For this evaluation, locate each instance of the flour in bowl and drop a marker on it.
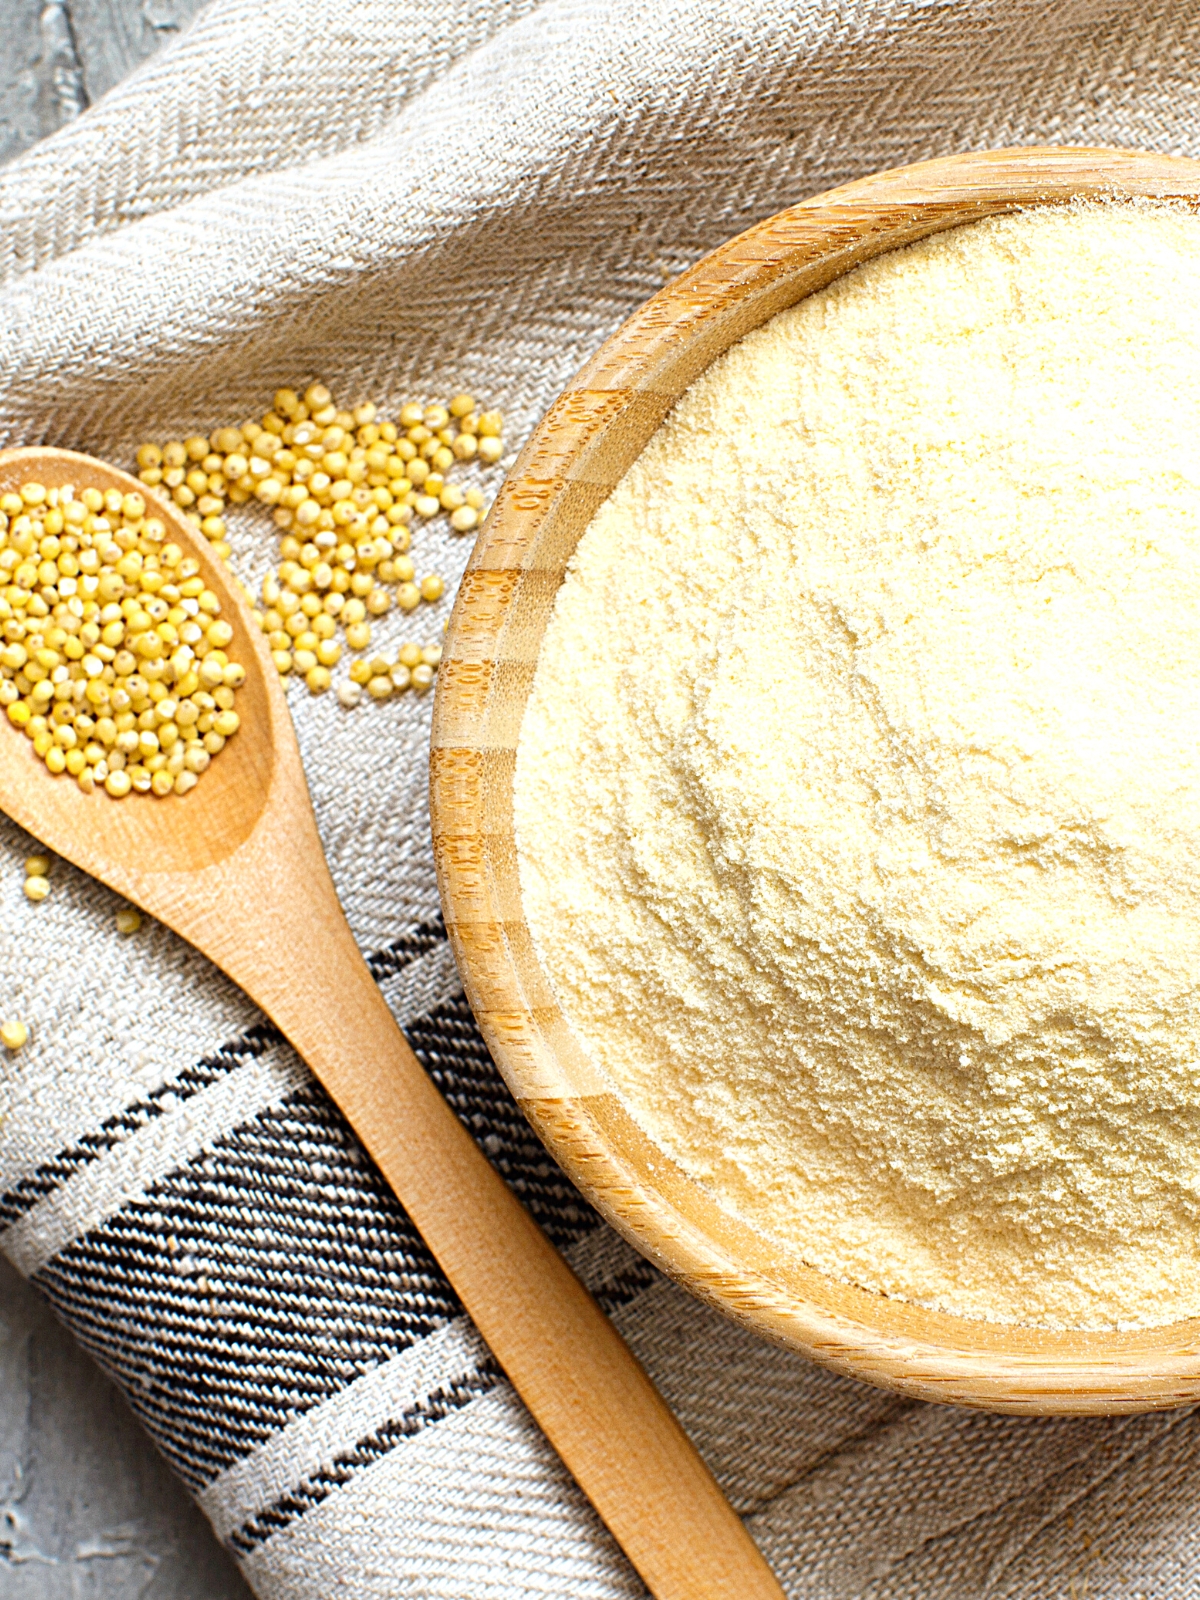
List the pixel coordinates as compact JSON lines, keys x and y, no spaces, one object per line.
{"x":858,"y":792}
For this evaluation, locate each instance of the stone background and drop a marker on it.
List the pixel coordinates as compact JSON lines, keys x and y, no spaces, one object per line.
{"x":59,"y":57}
{"x":88,"y":1510}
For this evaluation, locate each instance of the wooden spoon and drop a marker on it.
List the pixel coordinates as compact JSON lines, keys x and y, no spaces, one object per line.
{"x":236,"y":868}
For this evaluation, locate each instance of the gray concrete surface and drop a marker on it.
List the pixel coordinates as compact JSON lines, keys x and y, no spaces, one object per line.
{"x":61,"y":55}
{"x":88,"y":1509}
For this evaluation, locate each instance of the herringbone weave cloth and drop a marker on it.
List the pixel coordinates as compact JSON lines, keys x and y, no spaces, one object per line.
{"x":408,"y":199}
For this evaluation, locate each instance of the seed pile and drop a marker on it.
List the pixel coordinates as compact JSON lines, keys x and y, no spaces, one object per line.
{"x":344,"y":488}
{"x":114,"y":661}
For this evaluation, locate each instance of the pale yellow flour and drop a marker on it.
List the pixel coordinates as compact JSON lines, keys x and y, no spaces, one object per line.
{"x":858,"y":795}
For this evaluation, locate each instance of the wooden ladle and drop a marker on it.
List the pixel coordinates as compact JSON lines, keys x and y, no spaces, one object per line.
{"x":237,"y":869}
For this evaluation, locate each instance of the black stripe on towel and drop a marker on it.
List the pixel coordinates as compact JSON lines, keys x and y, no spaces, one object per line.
{"x":31,"y":1190}
{"x":250,"y":1285}
{"x":310,"y":1492}
{"x":409,"y":947}
{"x":275,"y":1267}
{"x":449,"y":1046}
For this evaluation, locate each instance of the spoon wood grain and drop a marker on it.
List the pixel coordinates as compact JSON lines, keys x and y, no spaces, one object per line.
{"x":237,"y":869}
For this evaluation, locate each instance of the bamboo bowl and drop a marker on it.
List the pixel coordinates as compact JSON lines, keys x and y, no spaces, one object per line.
{"x":574,"y":459}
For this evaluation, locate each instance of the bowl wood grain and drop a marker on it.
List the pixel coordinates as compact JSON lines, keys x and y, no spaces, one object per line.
{"x":578,"y":454}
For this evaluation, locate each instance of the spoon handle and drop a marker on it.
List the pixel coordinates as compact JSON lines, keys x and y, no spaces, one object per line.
{"x":563,"y":1356}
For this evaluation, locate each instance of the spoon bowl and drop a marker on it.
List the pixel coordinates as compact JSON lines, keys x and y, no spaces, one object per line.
{"x":142,"y":835}
{"x":236,"y":868}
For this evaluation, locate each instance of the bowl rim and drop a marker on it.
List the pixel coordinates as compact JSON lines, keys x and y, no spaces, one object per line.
{"x":575,"y":456}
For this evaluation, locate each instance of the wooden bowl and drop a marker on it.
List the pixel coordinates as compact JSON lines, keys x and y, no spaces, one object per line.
{"x":574,"y":459}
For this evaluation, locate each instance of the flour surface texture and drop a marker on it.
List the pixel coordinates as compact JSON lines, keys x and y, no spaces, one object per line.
{"x":858,"y":793}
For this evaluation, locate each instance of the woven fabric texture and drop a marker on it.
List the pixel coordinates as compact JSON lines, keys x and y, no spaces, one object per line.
{"x":412,"y":200}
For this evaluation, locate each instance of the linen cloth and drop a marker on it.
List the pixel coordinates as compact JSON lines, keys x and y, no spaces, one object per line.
{"x":406,"y":200}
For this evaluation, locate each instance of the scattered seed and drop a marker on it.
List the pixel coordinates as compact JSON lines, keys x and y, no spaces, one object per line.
{"x":344,"y":488}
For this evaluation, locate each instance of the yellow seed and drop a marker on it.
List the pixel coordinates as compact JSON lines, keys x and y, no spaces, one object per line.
{"x":462,"y":405}
{"x":464,"y":519}
{"x":128,"y":920}
{"x":358,"y":635}
{"x":490,"y":451}
{"x":37,"y":866}
{"x":432,"y":587}
{"x":422,"y":677}
{"x":410,"y":655}
{"x":408,"y":597}
{"x":37,"y":886}
{"x":379,"y":688}
{"x":149,"y":614}
{"x":13,"y":1034}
